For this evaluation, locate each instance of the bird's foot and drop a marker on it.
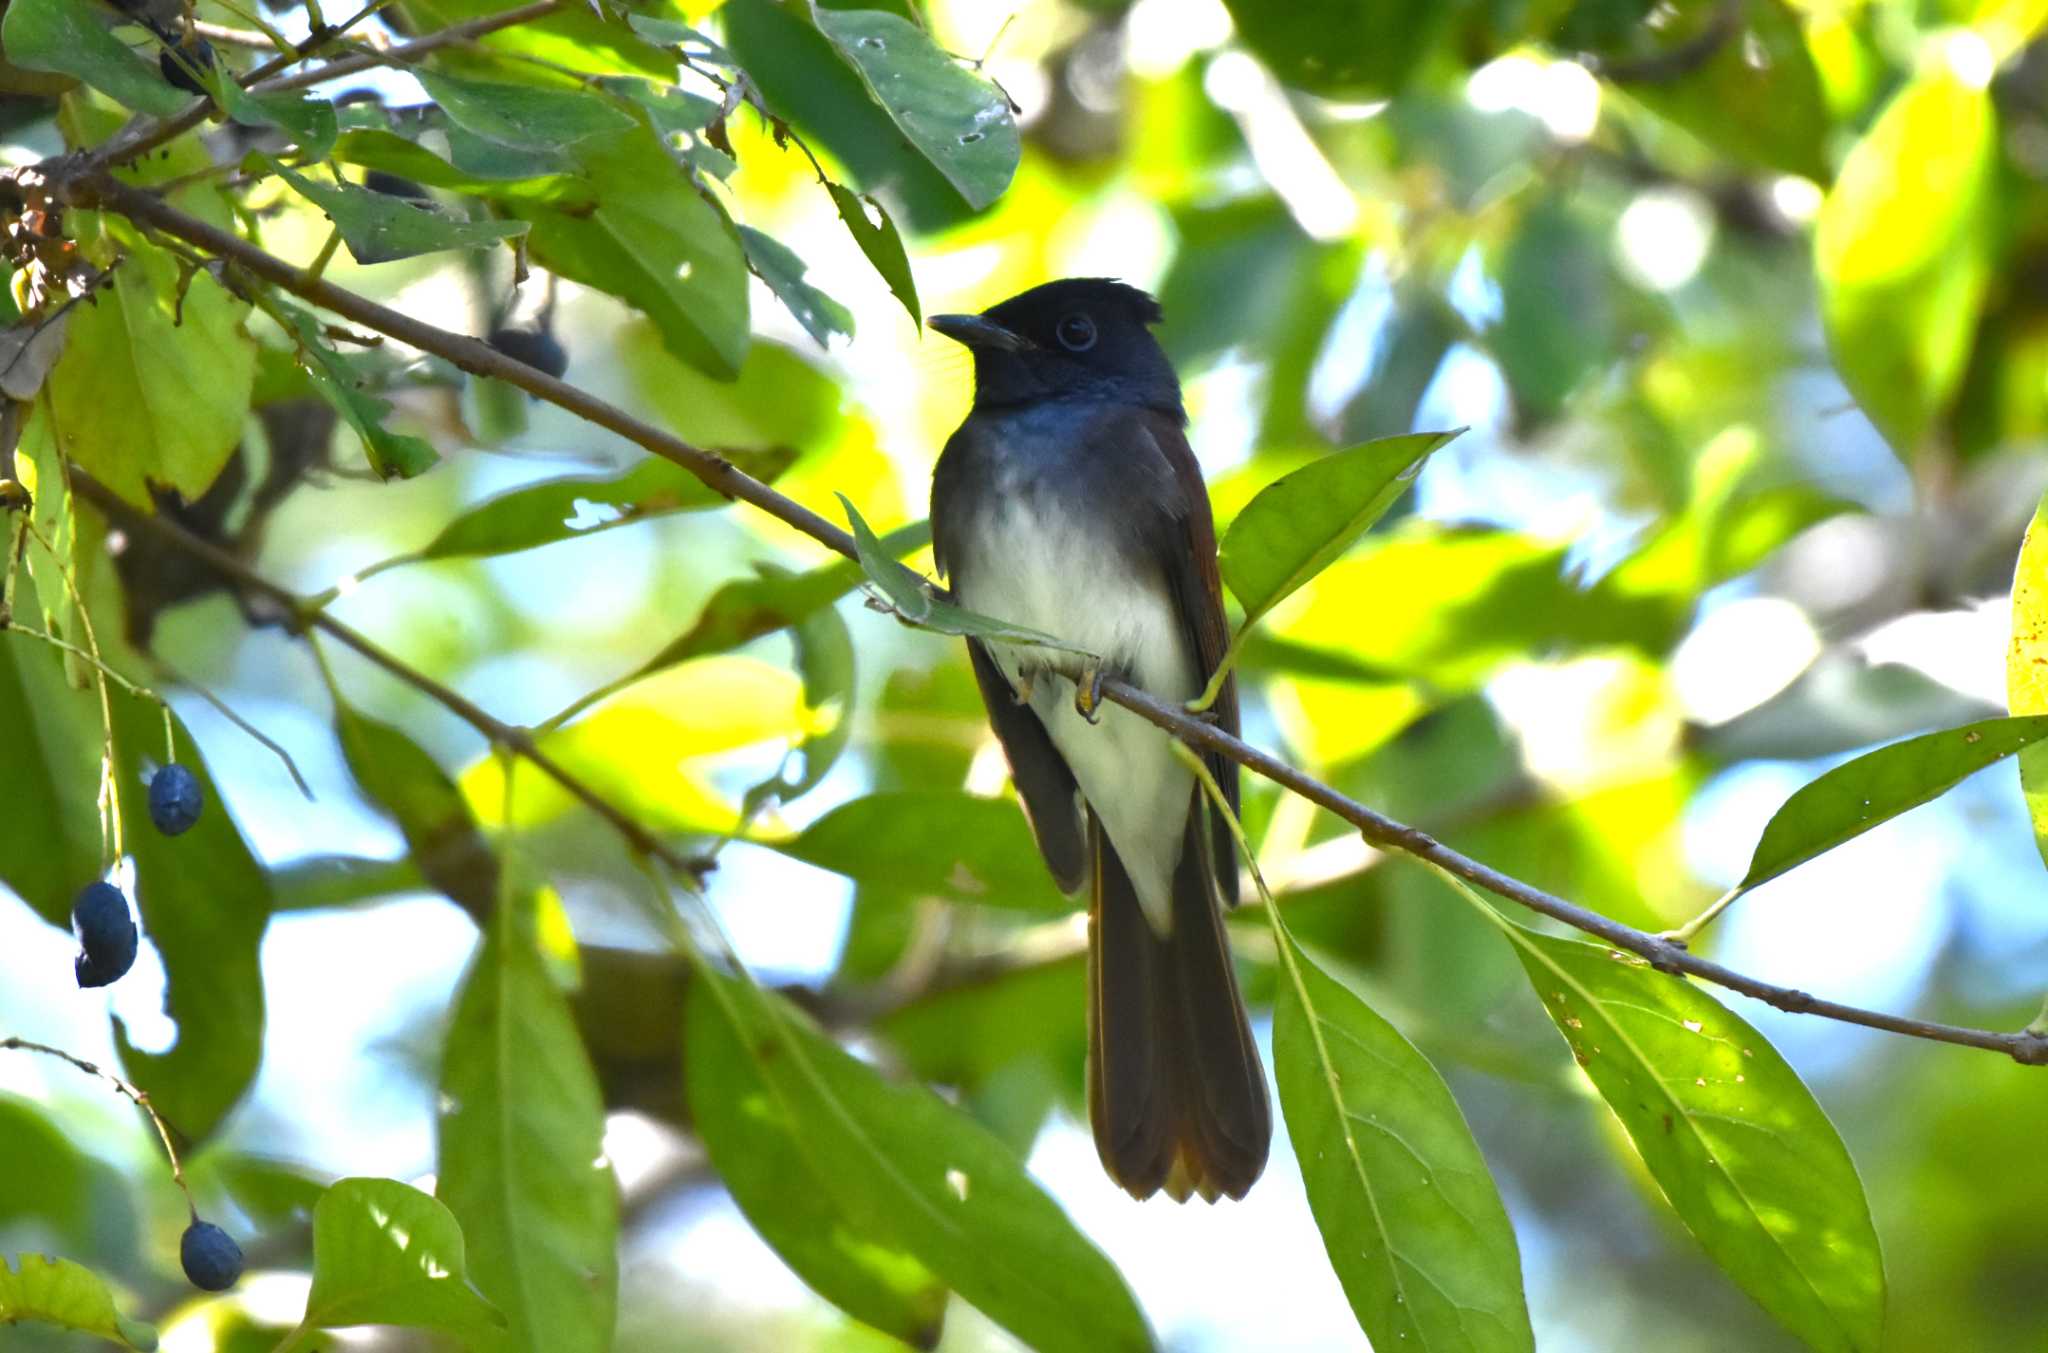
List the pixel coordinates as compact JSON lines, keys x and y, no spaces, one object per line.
{"x":1088,"y":693}
{"x":1022,"y":686}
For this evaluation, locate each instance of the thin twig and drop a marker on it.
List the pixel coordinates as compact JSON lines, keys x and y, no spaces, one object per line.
{"x":401,"y":53}
{"x":135,"y":1094}
{"x":496,"y":730}
{"x":103,"y":191}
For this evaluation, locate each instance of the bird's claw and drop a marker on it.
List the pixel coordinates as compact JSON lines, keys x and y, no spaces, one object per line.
{"x":1021,"y":688}
{"x":1088,"y":693}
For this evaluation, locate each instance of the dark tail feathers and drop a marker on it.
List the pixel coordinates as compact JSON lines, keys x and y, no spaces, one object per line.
{"x":1175,"y":1087}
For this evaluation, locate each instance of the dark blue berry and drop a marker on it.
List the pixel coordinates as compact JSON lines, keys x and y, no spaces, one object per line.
{"x":535,"y":347}
{"x":197,"y":54}
{"x":106,"y":935}
{"x":212,"y":1259}
{"x":174,"y":799}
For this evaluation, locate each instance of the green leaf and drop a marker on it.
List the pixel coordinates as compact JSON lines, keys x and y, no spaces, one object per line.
{"x":50,"y":833}
{"x":744,"y":610}
{"x":70,"y":1296}
{"x":940,"y":842}
{"x":957,"y":120}
{"x":878,"y":239}
{"x":1877,"y":786}
{"x":580,"y":38}
{"x":336,"y":378}
{"x":541,"y":514}
{"x":386,"y":1254}
{"x":507,"y":176}
{"x":521,"y":1148}
{"x":1757,"y":97}
{"x":378,"y":228}
{"x":918,"y":601}
{"x":2026,"y":664}
{"x":310,"y":123}
{"x":917,"y":1175}
{"x":779,"y":399}
{"x":321,"y":881}
{"x":394,"y":772}
{"x":657,"y":244}
{"x":1408,"y":1212}
{"x":777,"y":264}
{"x":525,"y":117}
{"x":824,"y":658}
{"x":152,"y":391}
{"x":205,"y":903}
{"x":71,"y":38}
{"x":757,"y":1134}
{"x":1342,"y":48}
{"x":1301,"y":522}
{"x":1903,"y":248}
{"x":1746,"y":1157}
{"x":51,"y":1181}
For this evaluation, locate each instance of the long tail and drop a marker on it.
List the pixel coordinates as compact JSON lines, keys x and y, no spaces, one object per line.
{"x":1175,"y":1087}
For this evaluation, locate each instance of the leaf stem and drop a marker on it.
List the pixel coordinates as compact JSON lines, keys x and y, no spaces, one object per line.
{"x":132,"y":1093}
{"x":1685,"y":934}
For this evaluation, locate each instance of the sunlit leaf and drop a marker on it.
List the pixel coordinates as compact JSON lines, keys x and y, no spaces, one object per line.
{"x":2026,"y":664}
{"x":1903,"y":252}
{"x":1407,"y":1208}
{"x":72,"y":39}
{"x":904,"y":1167}
{"x":777,"y":264}
{"x":824,"y":658}
{"x":1877,"y":786}
{"x":919,"y":601}
{"x":578,"y":37}
{"x":652,"y":747}
{"x":942,"y":842}
{"x":756,"y":1134}
{"x":378,"y":228}
{"x":386,"y":1254}
{"x":521,"y":1148}
{"x":955,"y":118}
{"x":36,"y":1287}
{"x":1301,"y":522}
{"x":154,"y":383}
{"x":335,"y":377}
{"x":1745,"y":1155}
{"x":778,"y":400}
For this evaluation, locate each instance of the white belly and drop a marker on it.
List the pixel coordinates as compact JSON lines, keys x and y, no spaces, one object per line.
{"x":1025,"y":571}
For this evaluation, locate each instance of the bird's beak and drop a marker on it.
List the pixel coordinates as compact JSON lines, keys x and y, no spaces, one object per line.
{"x":978,"y":331}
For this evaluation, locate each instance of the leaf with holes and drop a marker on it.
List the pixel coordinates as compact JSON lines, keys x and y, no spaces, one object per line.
{"x":956,"y":119}
{"x":1747,"y":1158}
{"x":878,"y":239}
{"x":1407,"y":1209}
{"x":777,"y":264}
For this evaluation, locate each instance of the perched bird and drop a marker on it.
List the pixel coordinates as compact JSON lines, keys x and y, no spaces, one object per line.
{"x":1069,"y":502}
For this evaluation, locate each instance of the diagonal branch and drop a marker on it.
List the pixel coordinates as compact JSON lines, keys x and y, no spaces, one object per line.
{"x":518,"y":740}
{"x":100,"y":190}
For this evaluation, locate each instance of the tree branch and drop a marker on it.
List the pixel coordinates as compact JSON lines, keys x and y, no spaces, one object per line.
{"x":95,"y":189}
{"x":517,"y":739}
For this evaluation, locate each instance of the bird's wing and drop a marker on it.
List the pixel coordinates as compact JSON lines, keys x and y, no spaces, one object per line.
{"x":1044,"y":781}
{"x":1183,"y":541}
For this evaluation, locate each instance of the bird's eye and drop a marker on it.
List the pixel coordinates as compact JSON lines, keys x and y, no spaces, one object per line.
{"x":1076,"y":333}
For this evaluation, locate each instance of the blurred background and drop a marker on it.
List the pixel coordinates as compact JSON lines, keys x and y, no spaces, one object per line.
{"x":1720,"y":520}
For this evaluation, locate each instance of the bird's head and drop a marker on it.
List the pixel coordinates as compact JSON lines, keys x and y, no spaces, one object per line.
{"x":1077,"y":338}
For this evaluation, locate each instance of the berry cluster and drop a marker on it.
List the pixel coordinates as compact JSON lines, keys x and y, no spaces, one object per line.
{"x":99,"y":915}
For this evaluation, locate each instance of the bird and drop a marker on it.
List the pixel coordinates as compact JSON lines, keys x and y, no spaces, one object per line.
{"x":1069,"y":502}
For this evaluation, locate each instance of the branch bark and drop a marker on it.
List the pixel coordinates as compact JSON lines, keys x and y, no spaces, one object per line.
{"x":87,"y":186}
